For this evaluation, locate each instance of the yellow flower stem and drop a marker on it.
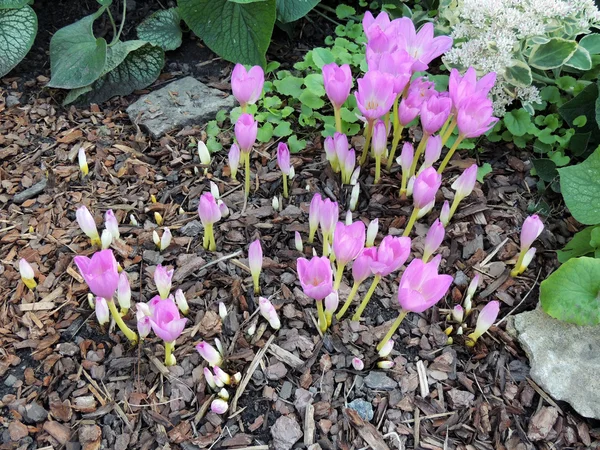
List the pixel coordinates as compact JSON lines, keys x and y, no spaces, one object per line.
{"x":133,"y":338}
{"x":365,"y":302}
{"x":446,"y":160}
{"x":212,"y":246}
{"x":445,"y":126}
{"x":411,"y":222}
{"x":338,"y":277}
{"x":244,"y":108}
{"x":206,"y":240}
{"x":338,"y":119}
{"x":403,"y":184}
{"x":247,"y":166}
{"x":346,"y":305}
{"x":285,"y":186}
{"x":368,"y":135}
{"x":392,"y":329}
{"x":397,"y":134}
{"x":448,"y":131}
{"x":377,"y":168}
{"x":418,"y":153}
{"x":321,"y":314}
{"x":256,"y":283}
{"x":454,"y":205}
{"x":325,"y":245}
{"x":169,"y":359}
{"x":311,"y":234}
{"x":517,"y":270}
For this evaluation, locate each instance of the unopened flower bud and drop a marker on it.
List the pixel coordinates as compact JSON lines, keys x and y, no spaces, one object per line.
{"x":91,"y":300}
{"x":358,"y":363}
{"x":210,"y":379}
{"x":458,"y":314}
{"x":298,"y":242}
{"x":203,"y":153}
{"x":106,"y":239}
{"x":222,"y":310}
{"x":132,"y":220}
{"x":448,"y":331}
{"x":165,"y":240}
{"x":445,"y":213}
{"x":236,"y":378}
{"x":158,"y":218}
{"x":473,"y":285}
{"x":354,"y":176}
{"x":209,"y":353}
{"x":223,"y":394}
{"x":223,"y":208}
{"x":124,"y":292}
{"x":111,"y":224}
{"x":83,"y":165}
{"x":219,"y":346}
{"x":222,"y":375}
{"x":268,"y":311}
{"x":354,"y":196}
{"x":102,"y":312}
{"x":275,"y":203}
{"x":27,"y":274}
{"x":372,"y":230}
{"x":182,"y":303}
{"x":219,"y":406}
{"x":385,"y":364}
{"x":292,"y":173}
{"x":156,"y":238}
{"x":386,"y":349}
{"x":152,"y":198}
{"x":486,"y":319}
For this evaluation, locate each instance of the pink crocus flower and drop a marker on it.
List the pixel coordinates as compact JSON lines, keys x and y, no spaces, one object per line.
{"x":532,"y":228}
{"x":100,"y":273}
{"x":247,"y":86}
{"x":111,"y":224}
{"x":475,"y":117}
{"x":348,"y":241}
{"x":445,"y":213}
{"x":268,"y":311}
{"x":434,"y":113}
{"x":464,"y":87}
{"x":426,"y":186}
{"x":208,"y":210}
{"x":379,"y":143}
{"x":348,"y":166}
{"x":421,"y":286}
{"x":397,"y":63}
{"x":315,"y":276}
{"x":162,"y":279}
{"x":371,"y":23}
{"x":87,"y":224}
{"x":245,"y":130}
{"x":166,"y":322}
{"x":465,"y":183}
{"x":328,"y":216}
{"x":361,"y":267}
{"x":330,"y":152}
{"x":255,"y":260}
{"x":338,"y":82}
{"x":375,"y":95}
{"x":380,"y":32}
{"x":422,"y":46}
{"x":392,"y":253}
{"x":102,"y":312}
{"x":124,"y":291}
{"x":210,"y":354}
{"x":283,"y":158}
{"x":433,"y":150}
{"x":219,"y":406}
{"x":486,"y":319}
{"x":234,"y":159}
{"x":433,"y":240}
{"x":314,"y":215}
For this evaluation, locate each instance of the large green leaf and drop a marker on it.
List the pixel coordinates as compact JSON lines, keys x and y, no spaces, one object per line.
{"x":584,"y":104}
{"x":571,"y":294}
{"x":12,"y":4}
{"x":552,"y":54}
{"x":18,"y":28}
{"x":77,"y":58}
{"x":579,"y":245}
{"x":162,"y":28}
{"x":237,"y":32}
{"x":580,"y":60}
{"x":290,"y":10}
{"x":591,"y":43}
{"x":140,"y":68}
{"x":580,"y":186}
{"x":518,"y":73}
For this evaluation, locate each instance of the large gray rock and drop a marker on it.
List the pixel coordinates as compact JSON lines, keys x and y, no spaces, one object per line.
{"x":183,"y":102}
{"x":565,"y":359}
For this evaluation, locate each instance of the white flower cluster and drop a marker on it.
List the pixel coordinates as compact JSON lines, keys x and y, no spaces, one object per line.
{"x":489,"y":34}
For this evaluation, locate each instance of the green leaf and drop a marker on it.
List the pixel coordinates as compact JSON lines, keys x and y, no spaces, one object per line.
{"x":296,"y":145}
{"x":212,"y":128}
{"x":290,"y":10}
{"x":591,"y":43}
{"x":580,"y":185}
{"x":551,"y":94}
{"x":571,"y":293}
{"x":265,"y":133}
{"x":517,"y":121}
{"x":582,"y":105}
{"x":77,"y":58}
{"x":162,"y":28}
{"x":314,"y":83}
{"x":18,"y":28}
{"x":237,"y":32}
{"x":140,"y":68}
{"x":483,"y":170}
{"x":12,"y":4}
{"x":580,"y":121}
{"x":580,"y":60}
{"x":283,"y":129}
{"x":311,"y":100}
{"x":213,"y":145}
{"x":322,"y":56}
{"x":344,"y":11}
{"x":290,"y":86}
{"x":545,"y":169}
{"x":579,"y":245}
{"x":552,"y":54}
{"x":518,"y":73}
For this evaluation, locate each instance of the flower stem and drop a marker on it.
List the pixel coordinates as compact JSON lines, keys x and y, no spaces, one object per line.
{"x":353,"y":292}
{"x":256,"y":282}
{"x":411,"y":222}
{"x":517,"y":270}
{"x":285,"y":186}
{"x":325,"y":244}
{"x":169,"y":358}
{"x":119,"y":321}
{"x":338,"y":119}
{"x":449,"y":154}
{"x":247,"y":166}
{"x":206,"y":240}
{"x":365,"y":302}
{"x":368,"y":135}
{"x":453,"y":207}
{"x":321,"y":314}
{"x":447,"y":130}
{"x":420,"y":149}
{"x":377,"y":168}
{"x":212,"y":246}
{"x":393,"y":329}
{"x":397,"y":133}
{"x":445,"y":126}
{"x":338,"y":276}
{"x":403,"y":183}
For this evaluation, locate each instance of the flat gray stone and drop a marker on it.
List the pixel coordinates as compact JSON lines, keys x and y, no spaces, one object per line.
{"x":286,"y":432}
{"x":363,"y":408}
{"x":183,"y":102}
{"x":34,"y":412}
{"x":380,"y":381}
{"x":565,"y":359}
{"x":31,"y":192}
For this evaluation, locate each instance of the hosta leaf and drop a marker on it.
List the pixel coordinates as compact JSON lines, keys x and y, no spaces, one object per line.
{"x":237,"y":32}
{"x":77,"y":58}
{"x":162,"y":28}
{"x":18,"y":28}
{"x":139,"y":69}
{"x":290,"y":10}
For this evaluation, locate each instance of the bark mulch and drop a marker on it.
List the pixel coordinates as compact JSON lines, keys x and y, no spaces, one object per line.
{"x":67,"y":383}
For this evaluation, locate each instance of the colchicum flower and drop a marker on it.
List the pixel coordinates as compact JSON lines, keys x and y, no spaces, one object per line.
{"x":255,"y":260}
{"x":209,"y":213}
{"x":88,"y":225}
{"x":338,"y":82}
{"x":463,"y":186}
{"x":372,"y":230}
{"x":234,"y":160}
{"x":332,"y":302}
{"x":111,"y":224}
{"x":406,"y":161}
{"x":314,"y":216}
{"x":358,"y":363}
{"x":532,"y":228}
{"x":209,"y":353}
{"x":283,"y":160}
{"x":348,"y":242}
{"x":102,"y":312}
{"x":298,"y":242}
{"x":425,"y":187}
{"x":445,"y":213}
{"x":433,"y":240}
{"x":328,"y":216}
{"x":246,"y":85}
{"x":203,"y":154}
{"x":162,"y":279}
{"x":316,"y":278}
{"x":181,"y":301}
{"x":219,"y":406}
{"x":386,"y":349}
{"x":168,"y":325}
{"x":27,"y":274}
{"x":268,"y":311}
{"x":246,"y":129}
{"x":83,"y":165}
{"x":379,"y":146}
{"x":124,"y":293}
{"x":106,"y":239}
{"x":486,"y":319}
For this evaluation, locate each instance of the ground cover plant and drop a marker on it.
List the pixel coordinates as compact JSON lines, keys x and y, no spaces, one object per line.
{"x":327,"y":265}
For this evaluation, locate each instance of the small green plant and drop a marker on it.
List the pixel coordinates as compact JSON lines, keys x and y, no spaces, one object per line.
{"x":18,"y":27}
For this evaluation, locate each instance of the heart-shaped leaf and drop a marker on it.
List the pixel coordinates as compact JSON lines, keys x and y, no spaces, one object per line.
{"x":162,"y":28}
{"x":290,"y":10}
{"x":18,"y":28}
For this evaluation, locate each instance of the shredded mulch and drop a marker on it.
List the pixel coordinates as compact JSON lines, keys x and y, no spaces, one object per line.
{"x":67,"y":383}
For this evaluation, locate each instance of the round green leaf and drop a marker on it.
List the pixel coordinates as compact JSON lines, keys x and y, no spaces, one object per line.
{"x":290,"y":10}
{"x":140,"y":68}
{"x":77,"y":58}
{"x":344,"y":11}
{"x":591,"y":43}
{"x":580,"y":186}
{"x":18,"y":28}
{"x":237,"y":32}
{"x":314,"y":83}
{"x":571,"y":294}
{"x":552,"y":54}
{"x":517,"y":121}
{"x":162,"y":29}
{"x":518,"y":73}
{"x":580,"y":60}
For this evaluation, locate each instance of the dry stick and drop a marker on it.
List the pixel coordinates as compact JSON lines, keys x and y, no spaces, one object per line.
{"x":251,"y":369}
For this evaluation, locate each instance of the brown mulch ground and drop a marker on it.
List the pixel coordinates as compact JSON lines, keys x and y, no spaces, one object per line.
{"x":67,"y":383}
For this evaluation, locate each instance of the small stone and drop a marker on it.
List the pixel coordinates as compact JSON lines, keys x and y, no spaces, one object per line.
{"x":186,"y":101}
{"x":192,"y":229}
{"x":60,"y":410}
{"x":380,"y":381}
{"x":325,"y":425}
{"x":10,"y":380}
{"x":286,"y":432}
{"x":363,"y":408}
{"x":89,"y":433}
{"x":58,"y":431}
{"x":34,"y":413}
{"x":11,"y":101}
{"x":472,"y":246}
{"x":460,"y":399}
{"x":17,"y":430}
{"x":152,"y":257}
{"x":303,"y":398}
{"x":68,"y":349}
{"x":286,"y":390}
{"x":460,"y":279}
{"x":276,"y":371}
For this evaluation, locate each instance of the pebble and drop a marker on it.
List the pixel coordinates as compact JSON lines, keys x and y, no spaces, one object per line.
{"x":11,"y":100}
{"x":152,"y":257}
{"x":363,"y":408}
{"x":286,"y":432}
{"x":192,"y":229}
{"x":10,"y":381}
{"x":68,"y":349}
{"x":276,"y":371}
{"x":460,"y":279}
{"x":286,"y":390}
{"x":303,"y":398}
{"x":34,"y":412}
{"x":380,"y":381}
